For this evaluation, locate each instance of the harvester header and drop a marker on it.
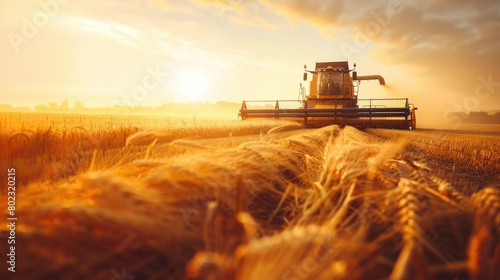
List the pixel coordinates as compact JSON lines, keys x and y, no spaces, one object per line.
{"x":333,"y":99}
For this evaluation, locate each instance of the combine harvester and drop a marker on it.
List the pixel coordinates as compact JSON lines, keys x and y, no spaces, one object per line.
{"x":333,"y":99}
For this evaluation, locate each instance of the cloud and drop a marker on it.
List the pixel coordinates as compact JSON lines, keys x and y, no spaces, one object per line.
{"x":316,"y":12}
{"x":451,"y":45}
{"x":448,"y":49}
{"x":404,"y":25}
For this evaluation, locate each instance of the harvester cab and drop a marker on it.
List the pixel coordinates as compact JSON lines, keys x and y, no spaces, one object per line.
{"x":333,"y":99}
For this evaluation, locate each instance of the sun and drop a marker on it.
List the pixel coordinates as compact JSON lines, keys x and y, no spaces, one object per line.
{"x":192,"y":86}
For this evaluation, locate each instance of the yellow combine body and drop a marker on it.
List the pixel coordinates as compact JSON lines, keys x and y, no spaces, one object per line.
{"x":333,"y":99}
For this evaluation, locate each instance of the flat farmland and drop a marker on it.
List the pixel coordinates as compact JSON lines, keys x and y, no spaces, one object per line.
{"x":184,"y":198}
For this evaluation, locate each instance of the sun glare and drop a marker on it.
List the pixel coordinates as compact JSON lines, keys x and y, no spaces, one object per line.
{"x":192,"y":86}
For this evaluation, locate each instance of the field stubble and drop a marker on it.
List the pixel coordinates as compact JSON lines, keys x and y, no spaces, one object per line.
{"x":258,"y":200}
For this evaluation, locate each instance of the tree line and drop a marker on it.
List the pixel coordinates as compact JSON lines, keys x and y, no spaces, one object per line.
{"x":78,"y":107}
{"x":483,"y":117}
{"x":200,"y":108}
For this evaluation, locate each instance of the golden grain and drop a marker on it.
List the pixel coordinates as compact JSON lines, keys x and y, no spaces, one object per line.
{"x":180,"y":202}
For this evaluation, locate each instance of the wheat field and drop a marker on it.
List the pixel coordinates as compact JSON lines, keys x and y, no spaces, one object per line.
{"x":164,"y":198}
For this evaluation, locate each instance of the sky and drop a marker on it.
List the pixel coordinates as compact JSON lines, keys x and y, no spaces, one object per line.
{"x":443,"y":55}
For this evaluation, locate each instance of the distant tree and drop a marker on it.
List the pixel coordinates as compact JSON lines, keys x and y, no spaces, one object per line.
{"x":478,"y":117}
{"x":23,"y":109}
{"x":52,"y":106}
{"x":496,"y":117}
{"x":64,"y":106}
{"x":41,"y":108}
{"x":6,"y":108}
{"x":78,"y":106}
